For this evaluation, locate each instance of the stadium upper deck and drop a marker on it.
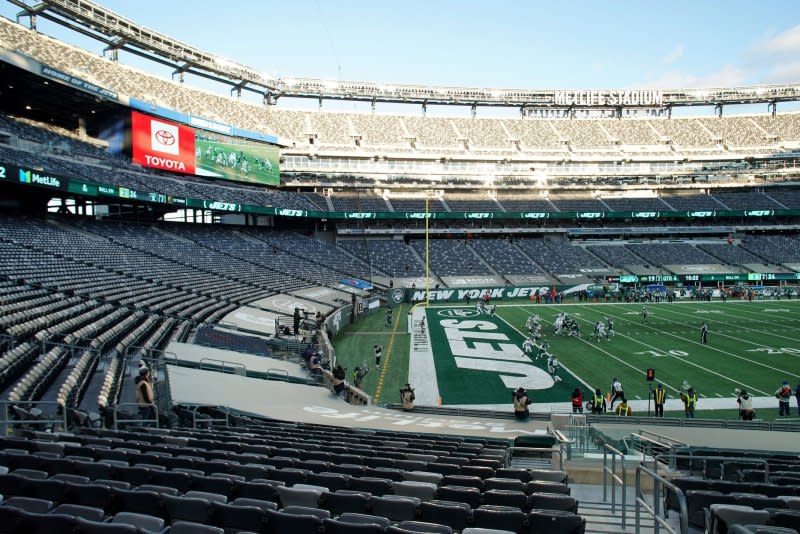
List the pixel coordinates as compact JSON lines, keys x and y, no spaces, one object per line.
{"x":120,"y":33}
{"x":363,"y":144}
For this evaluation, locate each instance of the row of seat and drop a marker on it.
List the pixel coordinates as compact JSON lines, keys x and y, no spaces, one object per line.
{"x":275,"y":459}
{"x":374,"y":454}
{"x":721,"y":518}
{"x":113,"y":497}
{"x":533,"y":494}
{"x":98,"y":502}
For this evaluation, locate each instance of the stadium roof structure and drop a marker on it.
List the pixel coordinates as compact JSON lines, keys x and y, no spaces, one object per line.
{"x":120,"y":33}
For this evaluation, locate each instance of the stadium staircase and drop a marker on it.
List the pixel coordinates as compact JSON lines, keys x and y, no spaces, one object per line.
{"x":602,"y":518}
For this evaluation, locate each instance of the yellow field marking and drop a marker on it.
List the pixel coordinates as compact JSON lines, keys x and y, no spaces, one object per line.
{"x":386,"y":357}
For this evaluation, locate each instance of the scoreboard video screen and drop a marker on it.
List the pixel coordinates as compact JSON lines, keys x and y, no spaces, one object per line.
{"x":162,"y":144}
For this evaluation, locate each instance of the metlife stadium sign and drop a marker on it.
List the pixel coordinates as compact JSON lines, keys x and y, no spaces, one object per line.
{"x":611,"y":98}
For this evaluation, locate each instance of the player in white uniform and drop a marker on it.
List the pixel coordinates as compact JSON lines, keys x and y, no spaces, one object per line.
{"x":559,"y":323}
{"x":552,"y":367}
{"x":527,"y":346}
{"x":600,"y":330}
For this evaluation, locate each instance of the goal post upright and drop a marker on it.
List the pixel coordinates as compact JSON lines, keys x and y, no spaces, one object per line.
{"x":427,"y":250}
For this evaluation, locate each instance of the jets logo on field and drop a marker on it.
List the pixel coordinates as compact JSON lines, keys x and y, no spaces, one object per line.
{"x":398,"y":295}
{"x":457,"y":312}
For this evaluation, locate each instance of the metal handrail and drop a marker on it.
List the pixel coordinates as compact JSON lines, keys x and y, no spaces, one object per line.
{"x":193,"y":410}
{"x":650,"y":448}
{"x":279,"y":372}
{"x":117,"y":420}
{"x":564,"y":443}
{"x":7,"y":422}
{"x":659,"y":437}
{"x":674,"y":456}
{"x":615,"y":478}
{"x":546,"y":450}
{"x":233,"y":365}
{"x":656,"y":509}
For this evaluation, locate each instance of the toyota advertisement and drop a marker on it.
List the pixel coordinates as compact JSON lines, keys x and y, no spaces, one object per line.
{"x":170,"y":146}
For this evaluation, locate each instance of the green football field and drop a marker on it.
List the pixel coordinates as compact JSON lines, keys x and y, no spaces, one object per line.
{"x":260,"y":174}
{"x":751,"y":345}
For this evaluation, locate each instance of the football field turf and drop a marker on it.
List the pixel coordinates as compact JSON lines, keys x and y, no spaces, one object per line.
{"x":477,"y":361}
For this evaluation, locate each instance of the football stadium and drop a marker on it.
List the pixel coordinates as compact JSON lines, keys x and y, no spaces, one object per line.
{"x":221,"y":314}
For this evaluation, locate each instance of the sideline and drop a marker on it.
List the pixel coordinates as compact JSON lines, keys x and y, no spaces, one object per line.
{"x":387,"y":356}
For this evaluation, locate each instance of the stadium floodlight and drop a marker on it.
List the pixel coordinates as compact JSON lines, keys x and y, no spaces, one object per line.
{"x":331,"y":84}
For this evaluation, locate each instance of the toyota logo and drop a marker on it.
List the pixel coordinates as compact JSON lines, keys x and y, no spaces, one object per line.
{"x":165,"y":138}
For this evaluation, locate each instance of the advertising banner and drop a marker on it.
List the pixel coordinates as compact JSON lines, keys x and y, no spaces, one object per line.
{"x":161,"y":144}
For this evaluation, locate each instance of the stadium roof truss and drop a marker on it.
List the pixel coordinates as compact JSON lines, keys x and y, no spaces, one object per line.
{"x":120,"y":33}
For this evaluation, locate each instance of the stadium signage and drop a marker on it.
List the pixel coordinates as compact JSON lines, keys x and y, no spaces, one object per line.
{"x":161,"y":144}
{"x":534,"y":215}
{"x":131,"y":194}
{"x":78,"y":83}
{"x":645,"y":214}
{"x":591,"y":215}
{"x":209,"y":125}
{"x":759,"y":213}
{"x":478,"y":215}
{"x":291,"y":213}
{"x":82,"y":188}
{"x":475,"y":293}
{"x":221,"y":206}
{"x":27,"y":176}
{"x":646,"y":98}
{"x":359,"y":215}
{"x":418,"y":215}
{"x":700,"y":213}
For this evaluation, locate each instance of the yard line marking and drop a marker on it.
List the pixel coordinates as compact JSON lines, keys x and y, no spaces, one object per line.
{"x":687,"y":340}
{"x":739,"y":327}
{"x":751,"y":388}
{"x":642,"y":371}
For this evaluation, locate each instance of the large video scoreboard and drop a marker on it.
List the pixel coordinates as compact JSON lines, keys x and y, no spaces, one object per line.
{"x":171,"y":146}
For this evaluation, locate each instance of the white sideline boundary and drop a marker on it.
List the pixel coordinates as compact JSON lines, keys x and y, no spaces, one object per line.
{"x":421,"y":367}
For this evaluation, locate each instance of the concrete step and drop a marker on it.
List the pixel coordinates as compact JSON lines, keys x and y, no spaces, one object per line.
{"x":601,"y":519}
